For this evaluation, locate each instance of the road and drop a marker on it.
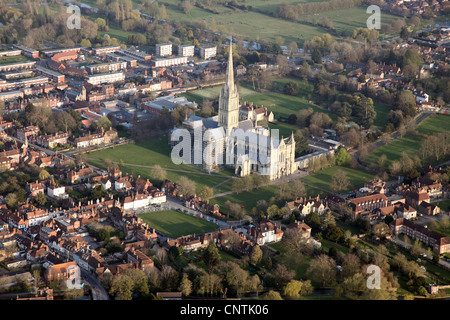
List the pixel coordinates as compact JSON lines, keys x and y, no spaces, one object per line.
{"x":98,"y":292}
{"x":401,"y":243}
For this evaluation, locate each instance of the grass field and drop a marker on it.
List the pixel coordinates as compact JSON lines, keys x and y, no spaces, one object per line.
{"x":157,"y":151}
{"x":174,"y":224}
{"x":410,"y":143}
{"x":322,"y":178}
{"x":280,"y":104}
{"x":444,"y":205}
{"x":315,"y":184}
{"x":253,"y":25}
{"x":13,"y":59}
{"x":382,"y":111}
{"x":346,"y":21}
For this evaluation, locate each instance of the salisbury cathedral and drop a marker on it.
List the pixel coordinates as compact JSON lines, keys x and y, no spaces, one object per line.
{"x":226,"y":140}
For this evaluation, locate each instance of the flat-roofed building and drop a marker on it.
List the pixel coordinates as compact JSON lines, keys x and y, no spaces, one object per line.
{"x":163,"y":49}
{"x":106,"y":78}
{"x":106,"y":67}
{"x":55,"y":76}
{"x":131,"y":62}
{"x":208,"y":52}
{"x":27,"y":52}
{"x":17,"y":66}
{"x":23,"y":83}
{"x":10,"y":95}
{"x":139,"y":55}
{"x":10,"y":53}
{"x":168,"y":62}
{"x":105,"y":50}
{"x":186,"y":50}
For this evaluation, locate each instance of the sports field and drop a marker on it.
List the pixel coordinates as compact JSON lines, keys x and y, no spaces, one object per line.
{"x":174,"y":224}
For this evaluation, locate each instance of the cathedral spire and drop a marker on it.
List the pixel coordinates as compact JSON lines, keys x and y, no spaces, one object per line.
{"x":229,"y":97}
{"x":230,"y":72}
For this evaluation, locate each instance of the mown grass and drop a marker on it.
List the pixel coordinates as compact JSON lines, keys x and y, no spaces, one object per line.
{"x":174,"y":224}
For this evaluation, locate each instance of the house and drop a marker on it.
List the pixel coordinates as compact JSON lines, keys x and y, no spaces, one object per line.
{"x":68,"y":272}
{"x":307,"y":206}
{"x":142,"y":261}
{"x":265,"y":232}
{"x":56,"y":191}
{"x":302,"y":227}
{"x":250,"y":112}
{"x":33,"y":188}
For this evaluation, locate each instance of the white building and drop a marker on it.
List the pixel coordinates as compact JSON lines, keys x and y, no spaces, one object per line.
{"x":163,"y":49}
{"x":56,"y":191}
{"x":186,"y":50}
{"x":168,"y":62}
{"x":106,"y":78}
{"x":208,"y":52}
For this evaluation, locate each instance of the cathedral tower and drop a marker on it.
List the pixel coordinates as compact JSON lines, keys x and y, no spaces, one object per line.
{"x":229,"y":98}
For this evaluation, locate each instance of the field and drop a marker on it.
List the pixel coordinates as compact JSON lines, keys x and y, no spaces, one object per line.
{"x":139,"y":158}
{"x":280,"y":104}
{"x":13,"y":59}
{"x":315,"y":184}
{"x":174,"y":224}
{"x":410,"y":143}
{"x":322,"y":178}
{"x":259,"y":22}
{"x":382,"y":111}
{"x":444,"y":205}
{"x":347,"y":20}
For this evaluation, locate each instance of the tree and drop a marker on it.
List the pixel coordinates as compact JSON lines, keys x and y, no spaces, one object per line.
{"x":122,"y":287}
{"x":291,"y":88}
{"x":350,"y":266}
{"x":186,"y":187}
{"x":40,"y":198}
{"x":271,"y":295}
{"x":301,"y":144}
{"x":158,"y":173}
{"x":342,"y":157}
{"x":313,"y":221}
{"x":185,"y":285}
{"x":339,"y":181}
{"x":381,"y":230}
{"x":282,"y":275}
{"x":206,"y":193}
{"x":322,"y":270}
{"x":43,"y":174}
{"x":256,"y":255}
{"x":211,"y":256}
{"x":206,"y":109}
{"x":316,"y":56}
{"x":292,"y":289}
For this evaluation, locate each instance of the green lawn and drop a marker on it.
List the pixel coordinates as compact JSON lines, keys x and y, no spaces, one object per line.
{"x":313,"y":185}
{"x":153,"y":152}
{"x":410,"y":143}
{"x":347,"y":20}
{"x":13,"y":59}
{"x":382,"y":111}
{"x":280,"y":104}
{"x":174,"y":224}
{"x":444,"y":205}
{"x":322,"y":178}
